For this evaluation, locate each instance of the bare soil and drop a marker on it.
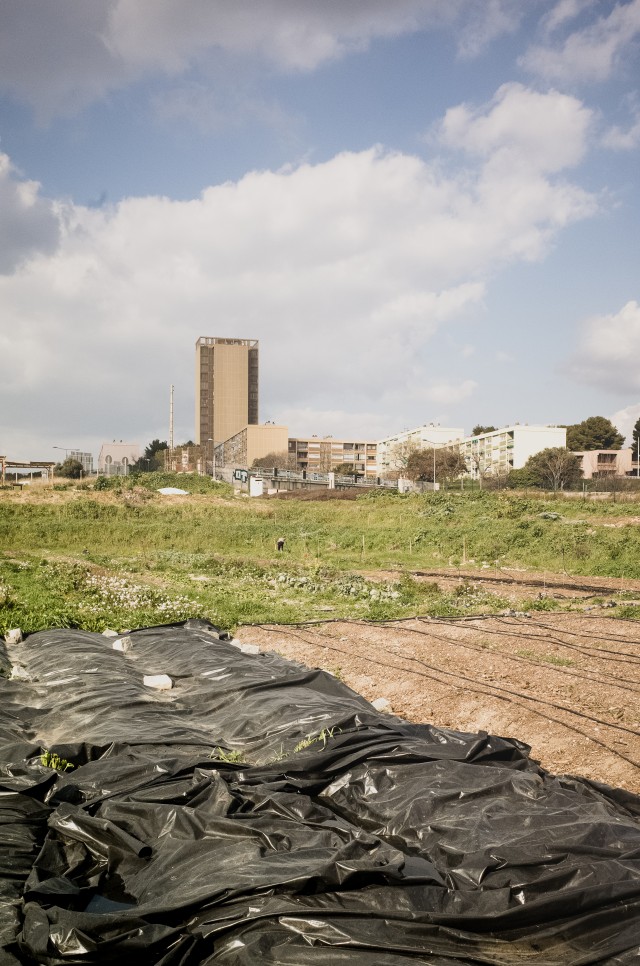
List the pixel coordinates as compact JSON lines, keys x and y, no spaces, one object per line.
{"x":567,"y":684}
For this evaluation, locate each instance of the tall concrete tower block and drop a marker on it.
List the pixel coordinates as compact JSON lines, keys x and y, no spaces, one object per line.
{"x":226,"y":387}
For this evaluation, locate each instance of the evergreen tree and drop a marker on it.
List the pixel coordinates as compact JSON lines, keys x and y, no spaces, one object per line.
{"x":596,"y":432}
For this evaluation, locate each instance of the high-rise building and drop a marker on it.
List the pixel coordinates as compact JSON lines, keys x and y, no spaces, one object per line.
{"x":226,"y":387}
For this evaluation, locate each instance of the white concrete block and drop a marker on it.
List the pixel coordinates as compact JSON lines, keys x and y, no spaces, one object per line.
{"x":13,"y":636}
{"x":249,"y":648}
{"x":109,"y":633}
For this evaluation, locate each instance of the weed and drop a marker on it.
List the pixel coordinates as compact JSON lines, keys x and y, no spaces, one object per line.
{"x":49,"y":759}
{"x":233,"y":757}
{"x":547,"y":658}
{"x":322,"y":736}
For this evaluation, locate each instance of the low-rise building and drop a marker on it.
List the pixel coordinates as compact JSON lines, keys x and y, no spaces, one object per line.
{"x":601,"y":463}
{"x":318,"y":454}
{"x":116,"y":458}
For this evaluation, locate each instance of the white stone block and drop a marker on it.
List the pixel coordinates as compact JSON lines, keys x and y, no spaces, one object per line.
{"x":160,"y":682}
{"x":18,"y":673}
{"x":109,"y":633}
{"x":122,"y":644}
{"x":13,"y":636}
{"x":249,"y":648}
{"x":381,"y":704}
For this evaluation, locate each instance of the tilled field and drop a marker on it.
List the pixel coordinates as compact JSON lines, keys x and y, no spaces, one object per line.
{"x":566,"y":684}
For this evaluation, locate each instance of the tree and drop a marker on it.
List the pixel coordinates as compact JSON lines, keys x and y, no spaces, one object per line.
{"x":479,"y":430}
{"x":555,"y":468}
{"x":449,"y":464}
{"x":398,"y":458}
{"x":635,"y":436}
{"x":596,"y":432}
{"x":275,"y":461}
{"x":152,"y":458}
{"x":71,"y":469}
{"x":346,"y":469}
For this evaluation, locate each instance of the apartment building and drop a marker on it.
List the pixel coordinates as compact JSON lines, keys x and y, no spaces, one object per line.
{"x":320,"y":454}
{"x":86,"y":459}
{"x":226,"y":387}
{"x":507,"y":449}
{"x":392,"y":449}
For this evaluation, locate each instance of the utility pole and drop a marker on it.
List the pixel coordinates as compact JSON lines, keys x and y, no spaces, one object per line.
{"x":171,"y":419}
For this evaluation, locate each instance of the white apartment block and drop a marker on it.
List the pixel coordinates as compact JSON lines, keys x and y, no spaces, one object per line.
{"x":423,"y":437}
{"x":509,"y":448}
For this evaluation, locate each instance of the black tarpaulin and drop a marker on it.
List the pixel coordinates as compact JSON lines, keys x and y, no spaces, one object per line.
{"x":262,"y":812}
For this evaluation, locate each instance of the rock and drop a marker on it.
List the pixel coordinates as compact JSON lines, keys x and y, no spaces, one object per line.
{"x":109,"y":633}
{"x":13,"y":636}
{"x":249,"y":648}
{"x":122,"y":644}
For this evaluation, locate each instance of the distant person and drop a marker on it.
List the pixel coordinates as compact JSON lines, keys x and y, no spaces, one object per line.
{"x":280,"y":543}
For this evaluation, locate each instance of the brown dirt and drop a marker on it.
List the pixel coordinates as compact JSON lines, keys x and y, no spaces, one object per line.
{"x":566,"y":684}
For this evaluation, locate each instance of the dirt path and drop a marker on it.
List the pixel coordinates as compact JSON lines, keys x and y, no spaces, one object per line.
{"x":566,"y":684}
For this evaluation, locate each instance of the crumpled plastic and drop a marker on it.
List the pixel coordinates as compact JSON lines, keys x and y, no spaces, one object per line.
{"x":262,"y":812}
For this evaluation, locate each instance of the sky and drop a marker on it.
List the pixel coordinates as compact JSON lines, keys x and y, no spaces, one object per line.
{"x":425,"y":210}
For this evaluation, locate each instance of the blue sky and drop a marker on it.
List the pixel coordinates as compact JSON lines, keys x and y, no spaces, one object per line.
{"x":426,"y":211}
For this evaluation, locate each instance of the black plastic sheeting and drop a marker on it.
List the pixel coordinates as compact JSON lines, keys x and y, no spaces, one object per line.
{"x":381,"y":842}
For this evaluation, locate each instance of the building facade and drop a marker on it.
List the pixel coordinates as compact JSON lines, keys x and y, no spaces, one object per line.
{"x":320,"y":454}
{"x":86,"y":459}
{"x":226,"y":387}
{"x":251,"y":443}
{"x":116,"y":458}
{"x":602,"y":463}
{"x":503,"y":450}
{"x":393,"y":450}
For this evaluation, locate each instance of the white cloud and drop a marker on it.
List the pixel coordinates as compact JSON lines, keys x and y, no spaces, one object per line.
{"x":608,"y":351}
{"x":486,"y":21}
{"x":623,"y":139}
{"x":547,"y":132}
{"x":344,"y":270}
{"x":588,"y":54}
{"x":625,"y":419}
{"x":60,"y":56}
{"x":28,"y":223}
{"x":564,"y":11}
{"x":447,"y":393}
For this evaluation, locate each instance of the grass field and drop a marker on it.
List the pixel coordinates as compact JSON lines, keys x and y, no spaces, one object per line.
{"x":124,"y":557}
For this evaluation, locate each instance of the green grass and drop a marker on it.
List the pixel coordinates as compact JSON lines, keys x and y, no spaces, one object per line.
{"x":130,"y":557}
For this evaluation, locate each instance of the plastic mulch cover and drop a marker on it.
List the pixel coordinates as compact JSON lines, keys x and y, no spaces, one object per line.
{"x":262,"y":812}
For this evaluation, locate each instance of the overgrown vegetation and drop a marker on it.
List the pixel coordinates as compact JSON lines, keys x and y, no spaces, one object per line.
{"x":129,"y":557}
